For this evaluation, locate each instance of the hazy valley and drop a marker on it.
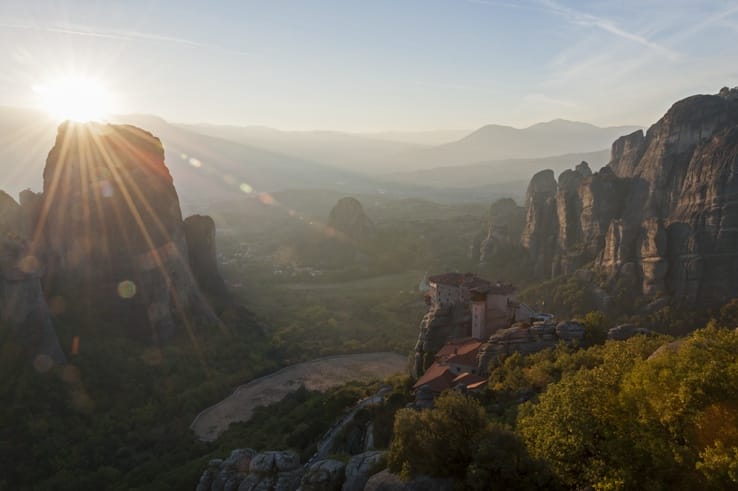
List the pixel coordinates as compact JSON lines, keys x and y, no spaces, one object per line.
{"x":482,"y":276}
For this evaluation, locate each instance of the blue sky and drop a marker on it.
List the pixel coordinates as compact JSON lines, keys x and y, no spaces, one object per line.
{"x":376,"y":64}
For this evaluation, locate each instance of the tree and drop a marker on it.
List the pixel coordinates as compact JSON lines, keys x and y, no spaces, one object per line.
{"x":577,"y":425}
{"x":437,"y":442}
{"x":501,"y":460}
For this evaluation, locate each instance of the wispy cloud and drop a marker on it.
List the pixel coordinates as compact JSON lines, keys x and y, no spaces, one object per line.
{"x":115,"y":34}
{"x":606,"y":25}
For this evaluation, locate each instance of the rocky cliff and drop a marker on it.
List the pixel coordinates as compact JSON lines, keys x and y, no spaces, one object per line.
{"x":23,"y":308}
{"x":200,"y":237}
{"x":505,"y":223}
{"x":109,"y":230}
{"x":661,"y":217}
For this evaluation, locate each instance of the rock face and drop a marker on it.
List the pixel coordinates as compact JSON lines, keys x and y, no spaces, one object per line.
{"x":506,"y":220}
{"x":200,"y":236}
{"x":23,"y":307}
{"x":349,"y":220}
{"x":112,"y":230}
{"x":541,"y":221}
{"x":247,"y":470}
{"x":660,"y":218}
{"x":361,"y":467}
{"x":324,"y":475}
{"x":438,"y":325}
{"x":526,"y":339}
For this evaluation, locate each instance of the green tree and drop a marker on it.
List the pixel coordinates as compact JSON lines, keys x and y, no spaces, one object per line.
{"x":437,"y":442}
{"x":501,"y":460}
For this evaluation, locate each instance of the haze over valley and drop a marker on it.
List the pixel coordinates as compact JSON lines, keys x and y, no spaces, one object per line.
{"x":363,"y":246}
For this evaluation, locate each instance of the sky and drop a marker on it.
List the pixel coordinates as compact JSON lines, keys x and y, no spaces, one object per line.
{"x":373,"y":65}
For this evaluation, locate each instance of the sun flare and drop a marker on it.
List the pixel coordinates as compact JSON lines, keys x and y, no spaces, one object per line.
{"x":75,"y":98}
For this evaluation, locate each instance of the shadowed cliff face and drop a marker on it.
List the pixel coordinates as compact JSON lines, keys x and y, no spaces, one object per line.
{"x":23,"y":308}
{"x":661,"y":216}
{"x":111,"y":231}
{"x":200,"y":235}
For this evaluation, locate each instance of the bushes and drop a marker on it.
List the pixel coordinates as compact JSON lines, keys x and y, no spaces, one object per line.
{"x":636,"y":421}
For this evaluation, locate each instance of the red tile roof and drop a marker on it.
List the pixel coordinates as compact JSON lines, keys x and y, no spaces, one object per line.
{"x":460,"y":351}
{"x":438,"y":378}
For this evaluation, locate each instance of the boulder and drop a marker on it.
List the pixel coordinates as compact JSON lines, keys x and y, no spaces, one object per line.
{"x":247,"y":470}
{"x":361,"y":467}
{"x":324,"y":475}
{"x":626,"y":331}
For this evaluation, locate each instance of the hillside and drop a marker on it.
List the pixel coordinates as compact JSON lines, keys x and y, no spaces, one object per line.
{"x":496,"y":142}
{"x":495,"y":172}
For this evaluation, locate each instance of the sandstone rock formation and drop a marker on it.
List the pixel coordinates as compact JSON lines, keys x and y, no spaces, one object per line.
{"x":111,"y":230}
{"x":527,"y":339}
{"x":247,"y":470}
{"x":438,"y":325}
{"x":506,"y":220}
{"x":541,"y":222}
{"x":200,"y":236}
{"x":23,"y":307}
{"x":348,"y":219}
{"x":661,"y":218}
{"x":324,"y":475}
{"x":361,"y":467}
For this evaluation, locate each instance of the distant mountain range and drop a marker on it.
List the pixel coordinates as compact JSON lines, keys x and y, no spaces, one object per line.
{"x":213,"y":163}
{"x":367,"y":154}
{"x":495,"y":142}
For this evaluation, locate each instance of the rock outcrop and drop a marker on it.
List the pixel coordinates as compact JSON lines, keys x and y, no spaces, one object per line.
{"x":200,"y":236}
{"x":661,"y":218}
{"x":439,"y":325}
{"x":541,"y":221}
{"x":506,"y":220}
{"x":350,"y":222}
{"x":626,"y":331}
{"x":111,"y":230}
{"x":362,"y":467}
{"x":247,"y":470}
{"x":23,"y":307}
{"x":324,"y":475}
{"x":525,"y":339}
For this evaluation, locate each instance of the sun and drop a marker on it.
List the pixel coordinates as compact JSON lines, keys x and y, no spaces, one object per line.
{"x":75,"y":98}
